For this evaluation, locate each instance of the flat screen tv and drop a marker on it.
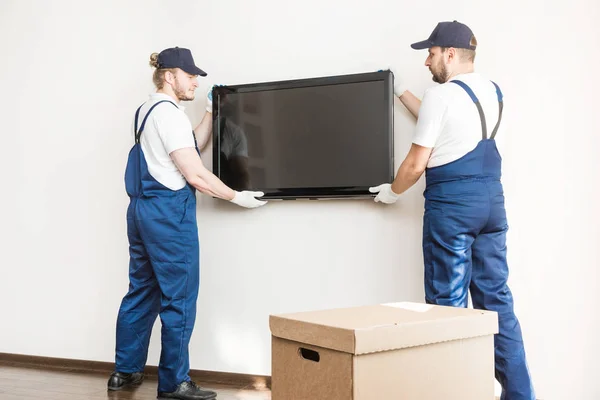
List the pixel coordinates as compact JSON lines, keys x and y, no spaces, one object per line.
{"x":318,"y":138}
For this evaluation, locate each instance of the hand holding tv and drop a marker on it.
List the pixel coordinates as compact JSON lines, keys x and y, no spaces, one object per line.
{"x":209,"y":106}
{"x":385,"y":194}
{"x":399,"y":87}
{"x":248,"y":199}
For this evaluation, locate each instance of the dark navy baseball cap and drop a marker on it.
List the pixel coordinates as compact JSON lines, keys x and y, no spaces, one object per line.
{"x":178,"y":57}
{"x":449,"y":34}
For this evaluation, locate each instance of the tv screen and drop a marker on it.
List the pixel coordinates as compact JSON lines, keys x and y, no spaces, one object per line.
{"x":312,"y":138}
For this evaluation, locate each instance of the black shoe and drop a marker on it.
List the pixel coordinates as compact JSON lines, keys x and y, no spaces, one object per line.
{"x":119,"y":380}
{"x":188,"y":391}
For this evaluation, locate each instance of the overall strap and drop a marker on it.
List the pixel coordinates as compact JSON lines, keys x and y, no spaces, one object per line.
{"x":137,"y":114}
{"x":501,"y":106}
{"x":138,"y":134}
{"x":479,"y":109}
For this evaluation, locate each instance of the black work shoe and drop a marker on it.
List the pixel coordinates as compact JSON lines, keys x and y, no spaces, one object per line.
{"x":119,"y":380}
{"x":188,"y":391}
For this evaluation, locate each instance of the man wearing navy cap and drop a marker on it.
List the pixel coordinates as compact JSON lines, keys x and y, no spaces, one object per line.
{"x":464,"y":225}
{"x":163,"y":171}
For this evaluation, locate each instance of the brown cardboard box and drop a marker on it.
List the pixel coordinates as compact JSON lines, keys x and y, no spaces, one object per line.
{"x":400,"y":351}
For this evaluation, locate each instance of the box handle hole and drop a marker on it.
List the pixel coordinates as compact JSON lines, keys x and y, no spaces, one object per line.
{"x":309,"y":354}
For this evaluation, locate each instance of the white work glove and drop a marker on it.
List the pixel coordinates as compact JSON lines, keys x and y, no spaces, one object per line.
{"x":385,"y":194}
{"x":209,"y":100}
{"x":248,"y":199}
{"x":399,"y":87}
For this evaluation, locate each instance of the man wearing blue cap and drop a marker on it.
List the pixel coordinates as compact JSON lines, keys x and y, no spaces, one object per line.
{"x":163,"y":171}
{"x":464,"y":226}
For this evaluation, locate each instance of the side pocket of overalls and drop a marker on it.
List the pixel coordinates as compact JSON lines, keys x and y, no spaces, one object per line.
{"x":427,"y":250}
{"x":185,"y":209}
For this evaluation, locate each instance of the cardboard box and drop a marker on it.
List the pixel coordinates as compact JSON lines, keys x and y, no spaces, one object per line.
{"x":400,"y":351}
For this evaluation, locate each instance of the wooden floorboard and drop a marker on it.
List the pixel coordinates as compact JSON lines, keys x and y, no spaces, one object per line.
{"x":18,"y":382}
{"x":61,"y":364}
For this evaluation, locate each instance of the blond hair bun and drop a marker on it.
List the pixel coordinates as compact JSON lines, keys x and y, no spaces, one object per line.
{"x":154,"y":60}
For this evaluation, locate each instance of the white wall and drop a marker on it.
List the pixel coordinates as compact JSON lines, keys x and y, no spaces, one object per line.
{"x":73,"y":73}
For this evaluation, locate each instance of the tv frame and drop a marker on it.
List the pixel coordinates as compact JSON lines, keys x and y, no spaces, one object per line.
{"x":315,"y":193}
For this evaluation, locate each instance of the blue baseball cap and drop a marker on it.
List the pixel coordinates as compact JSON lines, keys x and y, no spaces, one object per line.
{"x":449,"y":34}
{"x":178,"y":57}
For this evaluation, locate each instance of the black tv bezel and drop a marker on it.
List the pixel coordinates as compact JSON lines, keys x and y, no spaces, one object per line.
{"x":314,"y":193}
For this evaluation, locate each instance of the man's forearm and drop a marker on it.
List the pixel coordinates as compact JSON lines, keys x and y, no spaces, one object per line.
{"x":191,"y":167}
{"x":202,"y":186}
{"x":411,"y":102}
{"x":203,"y":131}
{"x":214,"y":186}
{"x":408,"y":175}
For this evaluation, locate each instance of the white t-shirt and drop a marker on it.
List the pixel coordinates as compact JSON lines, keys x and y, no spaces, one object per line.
{"x":167,"y":129}
{"x":449,"y":121}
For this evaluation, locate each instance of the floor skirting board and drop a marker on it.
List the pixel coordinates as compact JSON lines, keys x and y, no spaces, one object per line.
{"x":204,"y":377}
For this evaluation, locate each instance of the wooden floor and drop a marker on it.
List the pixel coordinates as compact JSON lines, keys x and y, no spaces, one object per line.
{"x":26,"y":383}
{"x":19,"y":382}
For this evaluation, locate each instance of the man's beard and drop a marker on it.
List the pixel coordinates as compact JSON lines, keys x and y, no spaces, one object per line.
{"x":181,"y":94}
{"x":442,"y":75}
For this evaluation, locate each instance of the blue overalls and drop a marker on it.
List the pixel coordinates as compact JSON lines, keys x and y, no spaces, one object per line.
{"x":163,"y":271}
{"x":464,"y":247}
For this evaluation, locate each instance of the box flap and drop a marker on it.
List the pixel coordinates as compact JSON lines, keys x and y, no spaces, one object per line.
{"x":368,"y":329}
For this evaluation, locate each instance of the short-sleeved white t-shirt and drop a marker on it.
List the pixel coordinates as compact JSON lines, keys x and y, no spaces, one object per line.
{"x":449,"y":121}
{"x":167,"y":129}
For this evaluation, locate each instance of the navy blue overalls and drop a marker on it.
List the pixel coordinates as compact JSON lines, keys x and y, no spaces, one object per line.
{"x":464,"y":247}
{"x":163,"y":270}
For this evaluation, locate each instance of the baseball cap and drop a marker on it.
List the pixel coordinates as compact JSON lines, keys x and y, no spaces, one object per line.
{"x":178,"y":57}
{"x":448,"y":34}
